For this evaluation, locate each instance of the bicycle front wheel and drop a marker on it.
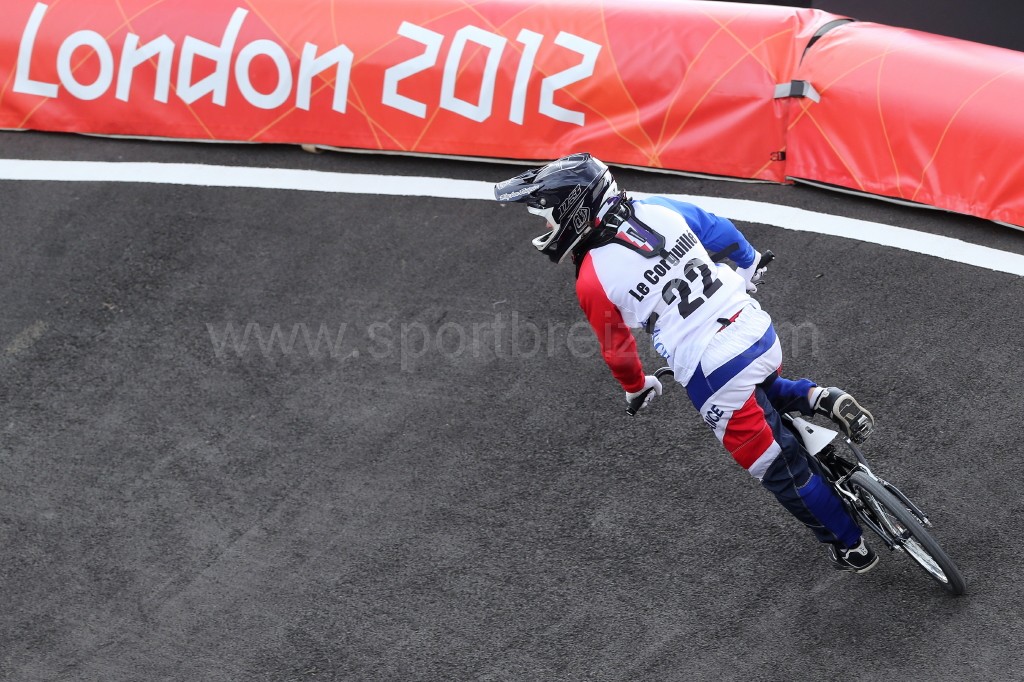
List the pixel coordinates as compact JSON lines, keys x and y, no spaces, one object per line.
{"x":907,"y":531}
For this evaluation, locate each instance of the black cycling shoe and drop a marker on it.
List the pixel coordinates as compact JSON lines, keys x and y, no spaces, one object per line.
{"x":859,"y":559}
{"x":839,"y":406}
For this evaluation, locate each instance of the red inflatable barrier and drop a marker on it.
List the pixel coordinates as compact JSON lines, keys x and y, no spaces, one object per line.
{"x":680,"y":85}
{"x":915,"y":117}
{"x":706,"y":87}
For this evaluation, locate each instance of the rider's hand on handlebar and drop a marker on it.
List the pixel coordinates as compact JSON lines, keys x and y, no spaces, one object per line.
{"x":639,"y":400}
{"x":752,"y":274}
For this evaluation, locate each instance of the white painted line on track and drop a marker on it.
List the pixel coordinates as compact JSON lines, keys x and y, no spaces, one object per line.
{"x":392,"y":185}
{"x":802,"y":220}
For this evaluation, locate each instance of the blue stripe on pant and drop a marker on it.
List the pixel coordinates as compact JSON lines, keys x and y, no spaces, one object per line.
{"x":797,"y":484}
{"x":701,"y":387}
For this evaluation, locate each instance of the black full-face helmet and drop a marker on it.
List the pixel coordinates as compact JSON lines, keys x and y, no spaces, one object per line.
{"x":568,"y":193}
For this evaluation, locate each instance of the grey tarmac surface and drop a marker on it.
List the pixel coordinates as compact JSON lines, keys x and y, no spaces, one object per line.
{"x":448,"y":488}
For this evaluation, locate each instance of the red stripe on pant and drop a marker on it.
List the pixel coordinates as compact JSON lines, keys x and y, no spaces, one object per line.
{"x":747,"y":435}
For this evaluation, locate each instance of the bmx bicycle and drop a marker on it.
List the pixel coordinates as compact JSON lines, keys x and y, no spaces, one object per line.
{"x":874,"y":502}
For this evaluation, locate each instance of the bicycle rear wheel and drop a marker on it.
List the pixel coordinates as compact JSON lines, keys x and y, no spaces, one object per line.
{"x":907,"y":531}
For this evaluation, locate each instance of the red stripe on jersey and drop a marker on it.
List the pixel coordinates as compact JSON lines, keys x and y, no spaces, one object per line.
{"x":617,"y":343}
{"x":747,"y":435}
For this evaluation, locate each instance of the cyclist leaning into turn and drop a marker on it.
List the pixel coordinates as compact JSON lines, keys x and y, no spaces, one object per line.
{"x":646,"y":264}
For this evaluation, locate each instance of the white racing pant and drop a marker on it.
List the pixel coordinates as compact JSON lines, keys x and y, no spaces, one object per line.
{"x":727,"y":390}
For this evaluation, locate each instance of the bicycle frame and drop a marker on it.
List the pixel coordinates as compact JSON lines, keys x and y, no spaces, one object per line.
{"x":818,"y":442}
{"x":872,"y":501}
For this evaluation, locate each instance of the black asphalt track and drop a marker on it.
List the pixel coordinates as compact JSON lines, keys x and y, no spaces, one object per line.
{"x":451,"y":490}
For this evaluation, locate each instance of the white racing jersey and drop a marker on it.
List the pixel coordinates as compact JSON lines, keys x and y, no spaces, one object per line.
{"x":675,"y":291}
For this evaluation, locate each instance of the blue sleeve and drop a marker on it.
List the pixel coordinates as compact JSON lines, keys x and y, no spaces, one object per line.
{"x":715,"y":233}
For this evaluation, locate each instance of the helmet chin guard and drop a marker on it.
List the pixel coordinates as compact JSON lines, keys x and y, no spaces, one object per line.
{"x":568,"y":193}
